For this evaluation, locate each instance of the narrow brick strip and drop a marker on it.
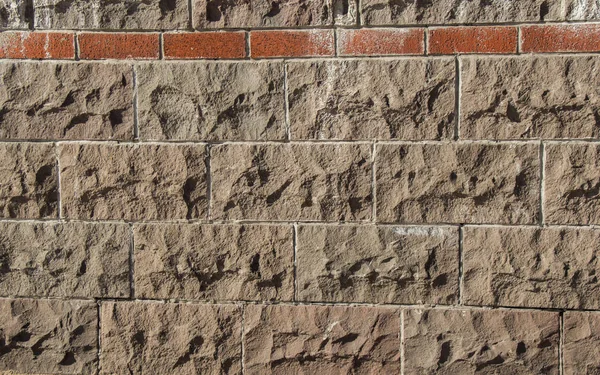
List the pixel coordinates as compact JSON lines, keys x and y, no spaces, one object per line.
{"x":96,"y":46}
{"x":210,"y":45}
{"x":450,"y":40}
{"x":34,"y":45}
{"x":381,"y":42}
{"x":560,"y":38}
{"x":292,"y":43}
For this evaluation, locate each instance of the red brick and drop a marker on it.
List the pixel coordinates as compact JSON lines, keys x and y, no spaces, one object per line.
{"x":381,"y":42}
{"x":118,"y":46}
{"x":34,"y":45}
{"x":292,"y":43}
{"x":451,"y":40}
{"x":209,"y":45}
{"x":560,"y":38}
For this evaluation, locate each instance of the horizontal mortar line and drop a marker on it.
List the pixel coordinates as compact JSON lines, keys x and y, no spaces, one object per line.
{"x":352,"y":26}
{"x":299,"y":222}
{"x":292,"y":142}
{"x":209,"y":302}
{"x":254,"y":59}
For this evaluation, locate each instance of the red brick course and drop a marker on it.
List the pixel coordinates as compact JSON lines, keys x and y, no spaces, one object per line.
{"x":210,"y":45}
{"x":560,"y":38}
{"x":94,"y":46}
{"x":450,"y":40}
{"x":381,"y":42}
{"x":292,"y":43}
{"x":36,"y":45}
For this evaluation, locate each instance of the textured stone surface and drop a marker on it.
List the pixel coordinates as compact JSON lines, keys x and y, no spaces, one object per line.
{"x":572,"y":184}
{"x":267,"y":13}
{"x":531,"y":267}
{"x":107,"y":14}
{"x":133,"y":182}
{"x":372,"y":264}
{"x":385,"y":12}
{"x":219,"y":262}
{"x":582,"y":10}
{"x":165,"y":338}
{"x":213,"y":101}
{"x":48,"y":336}
{"x":14,"y":14}
{"x":321,"y":339}
{"x":581,"y":348}
{"x":481,"y":341}
{"x":66,"y":101}
{"x":28,"y":181}
{"x":64,"y":260}
{"x":458,"y":183}
{"x":292,"y":182}
{"x":530,"y":97}
{"x":366,"y":99}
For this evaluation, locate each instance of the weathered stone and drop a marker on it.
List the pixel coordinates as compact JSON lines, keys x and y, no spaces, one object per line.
{"x":572,"y":184}
{"x":410,"y":265}
{"x":66,"y":101}
{"x":531,"y":267}
{"x":291,"y":182}
{"x":321,"y":339}
{"x":107,"y":14}
{"x":48,"y":336}
{"x":165,"y":338}
{"x":28,"y":181}
{"x":581,"y":348}
{"x":480,"y":342}
{"x":212,"y":101}
{"x":219,"y":262}
{"x":133,"y":182}
{"x":393,"y":12}
{"x":582,"y":10}
{"x":366,"y":99}
{"x":267,"y":13}
{"x":64,"y":260}
{"x":14,"y":14}
{"x":530,"y":97}
{"x":458,"y":183}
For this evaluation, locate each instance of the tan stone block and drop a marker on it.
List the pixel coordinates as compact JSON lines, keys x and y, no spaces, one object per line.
{"x":377,"y":264}
{"x":133,"y":182}
{"x":321,"y":339}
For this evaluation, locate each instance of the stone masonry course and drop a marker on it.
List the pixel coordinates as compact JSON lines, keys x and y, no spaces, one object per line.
{"x":249,"y":187}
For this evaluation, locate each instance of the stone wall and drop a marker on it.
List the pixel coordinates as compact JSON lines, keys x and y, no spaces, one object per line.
{"x":299,"y":187}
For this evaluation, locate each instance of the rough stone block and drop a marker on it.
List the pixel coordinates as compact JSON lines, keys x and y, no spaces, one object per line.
{"x":66,"y":101}
{"x":106,"y":14}
{"x":291,"y":182}
{"x":530,"y":97}
{"x":165,"y":338}
{"x":267,"y":13}
{"x":531,"y":267}
{"x":481,"y":342}
{"x":212,"y":101}
{"x":321,"y":339}
{"x":48,"y":336}
{"x":14,"y":14}
{"x":367,"y":99}
{"x":377,"y":264}
{"x":28,"y":181}
{"x":133,"y":182}
{"x":394,"y":12}
{"x":219,"y":262}
{"x":458,"y":183}
{"x":572,"y":184}
{"x":64,"y":260}
{"x":582,"y":10}
{"x":581,"y":348}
